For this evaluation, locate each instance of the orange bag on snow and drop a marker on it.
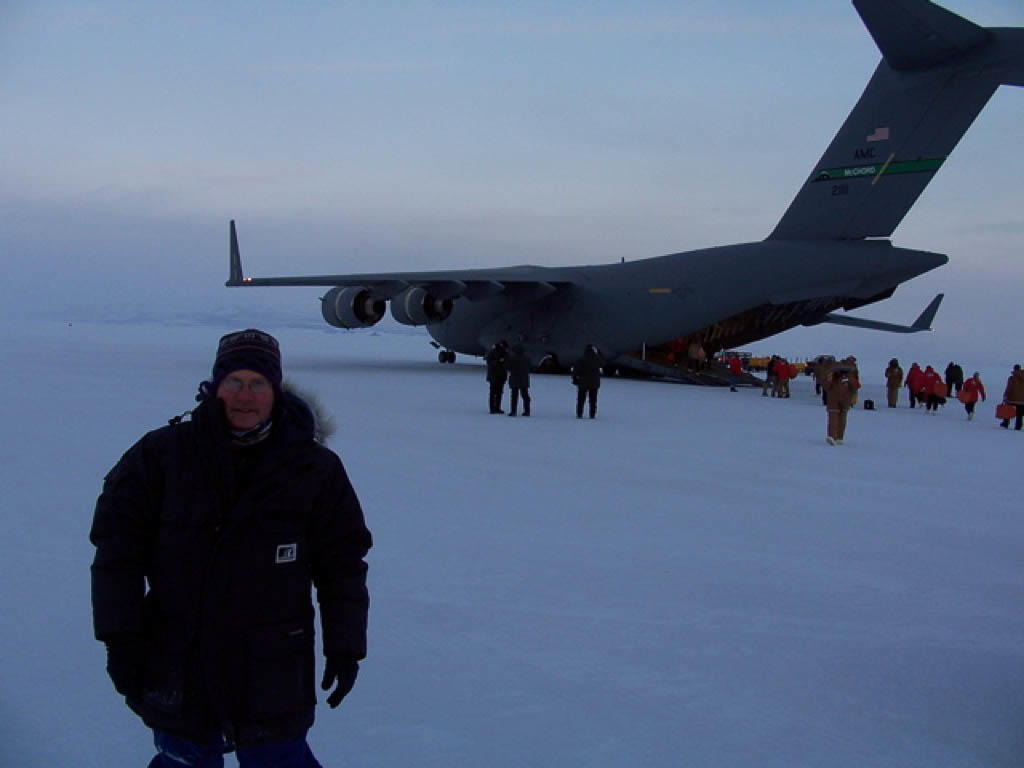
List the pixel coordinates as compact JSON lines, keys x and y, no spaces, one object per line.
{"x":1005,"y":411}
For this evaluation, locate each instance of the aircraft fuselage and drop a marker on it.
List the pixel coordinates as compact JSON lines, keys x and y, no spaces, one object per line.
{"x":623,"y":307}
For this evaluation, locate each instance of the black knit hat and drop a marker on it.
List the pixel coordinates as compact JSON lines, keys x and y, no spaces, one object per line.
{"x":250,"y":349}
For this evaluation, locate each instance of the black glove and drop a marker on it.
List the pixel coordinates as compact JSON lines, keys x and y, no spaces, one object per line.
{"x":126,"y":656}
{"x":341,"y":670}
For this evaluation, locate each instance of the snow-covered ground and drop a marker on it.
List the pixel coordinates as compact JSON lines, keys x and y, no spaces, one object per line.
{"x":692,"y":579}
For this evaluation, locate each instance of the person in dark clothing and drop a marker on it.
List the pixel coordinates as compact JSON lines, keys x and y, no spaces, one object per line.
{"x":586,"y":375}
{"x":954,"y":379}
{"x":497,"y":373}
{"x":1014,"y":395}
{"x":210,"y":535}
{"x":518,"y":379}
{"x":769,"y":377}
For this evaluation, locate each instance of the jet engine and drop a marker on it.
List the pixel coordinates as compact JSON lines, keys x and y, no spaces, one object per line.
{"x":417,"y":307}
{"x":352,"y":307}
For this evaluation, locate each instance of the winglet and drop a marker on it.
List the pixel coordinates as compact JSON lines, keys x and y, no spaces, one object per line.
{"x":923,"y":322}
{"x":235,"y":270}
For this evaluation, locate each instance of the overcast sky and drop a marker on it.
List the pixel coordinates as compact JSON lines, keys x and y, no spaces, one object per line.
{"x":359,"y":136}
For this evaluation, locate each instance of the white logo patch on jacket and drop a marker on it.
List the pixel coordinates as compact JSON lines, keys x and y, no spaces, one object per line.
{"x":286,"y":553}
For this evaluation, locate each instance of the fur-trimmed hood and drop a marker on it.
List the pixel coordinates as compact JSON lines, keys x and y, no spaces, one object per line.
{"x":322,"y":422}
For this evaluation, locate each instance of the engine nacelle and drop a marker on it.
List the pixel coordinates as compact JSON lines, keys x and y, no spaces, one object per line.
{"x":417,"y":307}
{"x":352,"y":307}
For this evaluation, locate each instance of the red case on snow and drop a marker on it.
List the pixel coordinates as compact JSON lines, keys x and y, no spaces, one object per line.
{"x":1005,"y":411}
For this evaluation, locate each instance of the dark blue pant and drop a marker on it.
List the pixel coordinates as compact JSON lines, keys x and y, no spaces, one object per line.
{"x":514,"y":393}
{"x":585,"y":395}
{"x":494,"y":396}
{"x":173,"y":752}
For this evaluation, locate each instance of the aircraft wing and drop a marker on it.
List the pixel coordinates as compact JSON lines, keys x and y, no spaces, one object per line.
{"x":525,"y":281}
{"x":923,"y":322}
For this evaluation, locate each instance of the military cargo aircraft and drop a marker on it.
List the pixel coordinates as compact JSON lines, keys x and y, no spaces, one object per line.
{"x":830,"y":251}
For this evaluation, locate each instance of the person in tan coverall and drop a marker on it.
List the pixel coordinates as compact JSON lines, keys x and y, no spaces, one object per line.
{"x":840,"y":389}
{"x":893,"y":381}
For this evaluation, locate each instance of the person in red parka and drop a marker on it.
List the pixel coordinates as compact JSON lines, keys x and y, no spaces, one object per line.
{"x":969,"y":393}
{"x":781,"y":368}
{"x":929,"y":379}
{"x":913,"y":383}
{"x":735,"y":366}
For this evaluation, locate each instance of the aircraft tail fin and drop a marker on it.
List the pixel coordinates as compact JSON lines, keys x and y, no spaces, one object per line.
{"x":918,"y":35}
{"x":235,"y":267}
{"x":937,"y":73}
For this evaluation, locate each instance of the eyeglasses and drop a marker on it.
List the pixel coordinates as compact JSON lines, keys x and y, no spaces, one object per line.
{"x":255,"y":387}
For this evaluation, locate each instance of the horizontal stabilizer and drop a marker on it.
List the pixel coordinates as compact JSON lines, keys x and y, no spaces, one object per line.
{"x":923,"y":322}
{"x":912,"y":34}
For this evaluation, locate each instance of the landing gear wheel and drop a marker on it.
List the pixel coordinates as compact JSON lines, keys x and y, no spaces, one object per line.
{"x":451,"y":357}
{"x":549,"y":364}
{"x":442,"y":356}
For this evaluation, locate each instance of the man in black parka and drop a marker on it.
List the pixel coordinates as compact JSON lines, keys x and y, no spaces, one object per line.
{"x":586,"y":375}
{"x":954,"y":379}
{"x":210,"y":534}
{"x":518,"y":365}
{"x":497,"y":374}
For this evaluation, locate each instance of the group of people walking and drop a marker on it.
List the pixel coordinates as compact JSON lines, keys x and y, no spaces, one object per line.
{"x":923,"y":386}
{"x":840,"y":381}
{"x":928,"y":387}
{"x":513,"y":365}
{"x":932,"y":390}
